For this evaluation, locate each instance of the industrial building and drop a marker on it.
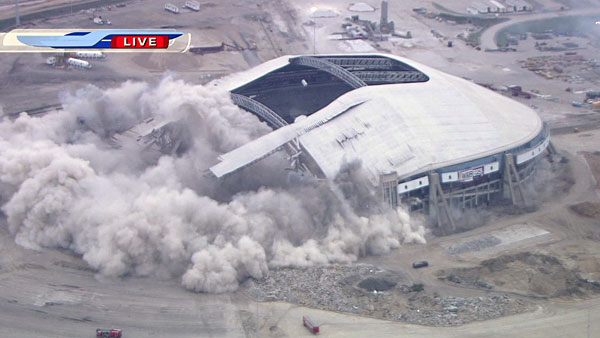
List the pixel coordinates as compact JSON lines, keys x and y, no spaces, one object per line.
{"x":500,"y":6}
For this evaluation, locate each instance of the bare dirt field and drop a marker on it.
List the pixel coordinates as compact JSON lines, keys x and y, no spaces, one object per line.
{"x":531,"y":274}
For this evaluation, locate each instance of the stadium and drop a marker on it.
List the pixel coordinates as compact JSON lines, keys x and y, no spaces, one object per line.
{"x":428,"y":139}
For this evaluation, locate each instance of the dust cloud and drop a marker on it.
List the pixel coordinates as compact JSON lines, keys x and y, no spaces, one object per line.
{"x":125,"y":213}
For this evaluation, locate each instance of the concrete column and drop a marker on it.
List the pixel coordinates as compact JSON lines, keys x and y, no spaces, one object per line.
{"x":511,"y":180}
{"x":388,"y":186}
{"x":437,"y":201}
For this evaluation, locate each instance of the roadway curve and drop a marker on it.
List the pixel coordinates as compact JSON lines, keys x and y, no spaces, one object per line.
{"x":488,"y":38}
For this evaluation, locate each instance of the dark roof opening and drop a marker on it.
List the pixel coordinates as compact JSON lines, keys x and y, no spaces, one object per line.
{"x":296,"y":89}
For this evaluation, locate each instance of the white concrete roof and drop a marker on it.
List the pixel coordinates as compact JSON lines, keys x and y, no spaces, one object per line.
{"x":408,"y":128}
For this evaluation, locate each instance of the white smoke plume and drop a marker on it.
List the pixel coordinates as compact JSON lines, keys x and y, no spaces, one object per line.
{"x":63,"y":186}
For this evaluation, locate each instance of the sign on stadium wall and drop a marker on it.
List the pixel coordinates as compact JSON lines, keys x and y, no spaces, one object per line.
{"x":468,"y":175}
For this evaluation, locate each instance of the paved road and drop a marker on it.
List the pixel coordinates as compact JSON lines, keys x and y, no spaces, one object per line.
{"x":53,"y":294}
{"x":488,"y":38}
{"x":566,"y":320}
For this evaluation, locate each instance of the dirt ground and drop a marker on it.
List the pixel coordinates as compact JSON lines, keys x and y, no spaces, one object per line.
{"x":530,"y":274}
{"x":587,"y":209}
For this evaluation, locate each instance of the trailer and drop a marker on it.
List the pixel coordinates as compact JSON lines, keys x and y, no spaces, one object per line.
{"x":78,"y":63}
{"x":309,"y":325}
{"x":193,"y":5}
{"x":171,"y":8}
{"x":110,"y":333}
{"x":207,"y":49}
{"x":90,"y":54}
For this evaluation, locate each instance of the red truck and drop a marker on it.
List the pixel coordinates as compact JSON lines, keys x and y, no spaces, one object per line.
{"x":309,"y":325}
{"x":112,"y":333}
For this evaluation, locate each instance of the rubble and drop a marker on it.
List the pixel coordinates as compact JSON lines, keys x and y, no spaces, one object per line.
{"x":368,"y":290}
{"x":474,"y":245}
{"x":452,"y":311}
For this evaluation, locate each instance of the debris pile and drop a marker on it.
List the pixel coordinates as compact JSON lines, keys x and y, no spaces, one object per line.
{"x":368,"y":290}
{"x":452,"y":311}
{"x":474,"y":245}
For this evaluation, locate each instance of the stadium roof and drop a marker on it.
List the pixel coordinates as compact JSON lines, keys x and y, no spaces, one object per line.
{"x":407,"y":127}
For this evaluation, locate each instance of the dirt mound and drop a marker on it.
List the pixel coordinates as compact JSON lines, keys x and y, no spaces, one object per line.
{"x":593,"y":160}
{"x":587,"y":209}
{"x":524,"y":273}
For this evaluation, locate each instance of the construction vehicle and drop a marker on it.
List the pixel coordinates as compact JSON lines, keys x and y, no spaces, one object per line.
{"x":309,"y":325}
{"x":109,"y":333}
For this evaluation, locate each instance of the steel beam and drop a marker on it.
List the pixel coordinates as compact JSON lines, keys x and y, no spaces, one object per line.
{"x":330,"y":68}
{"x":259,"y":109}
{"x":391,"y":76}
{"x":361,"y":63}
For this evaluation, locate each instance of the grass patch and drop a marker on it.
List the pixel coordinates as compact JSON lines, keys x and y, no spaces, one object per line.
{"x":444,"y":9}
{"x":478,"y":21}
{"x":474,"y":38}
{"x":482,"y":22}
{"x":576,"y":25}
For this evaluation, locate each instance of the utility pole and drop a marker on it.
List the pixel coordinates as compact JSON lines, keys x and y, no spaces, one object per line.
{"x":17,"y":20}
{"x":314,"y":10}
{"x":315,"y":36}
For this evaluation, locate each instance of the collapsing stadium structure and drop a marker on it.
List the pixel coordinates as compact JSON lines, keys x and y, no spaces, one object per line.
{"x":425,"y":138}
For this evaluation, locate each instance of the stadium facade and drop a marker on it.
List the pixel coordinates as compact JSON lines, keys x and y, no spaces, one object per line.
{"x":425,"y":138}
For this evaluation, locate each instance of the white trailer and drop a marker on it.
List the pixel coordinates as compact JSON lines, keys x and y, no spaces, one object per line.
{"x":193,"y":5}
{"x":79,"y":63}
{"x":172,"y":8}
{"x":90,"y":55}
